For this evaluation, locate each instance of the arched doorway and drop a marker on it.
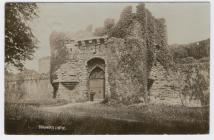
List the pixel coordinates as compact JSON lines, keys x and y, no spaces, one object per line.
{"x":96,"y":79}
{"x":96,"y":84}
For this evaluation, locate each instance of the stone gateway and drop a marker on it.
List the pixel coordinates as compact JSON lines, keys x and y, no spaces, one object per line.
{"x":108,"y":67}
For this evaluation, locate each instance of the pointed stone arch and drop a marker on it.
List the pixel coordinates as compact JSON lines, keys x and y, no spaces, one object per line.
{"x":96,"y":79}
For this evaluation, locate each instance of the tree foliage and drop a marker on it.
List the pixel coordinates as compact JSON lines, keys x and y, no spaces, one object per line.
{"x":196,"y":50}
{"x":120,"y":29}
{"x":59,"y":53}
{"x":108,"y":25}
{"x":20,"y":42}
{"x":133,"y":62}
{"x":152,"y":31}
{"x":193,"y":82}
{"x":100,"y":31}
{"x":133,"y":59}
{"x":89,"y":28}
{"x":142,"y":18}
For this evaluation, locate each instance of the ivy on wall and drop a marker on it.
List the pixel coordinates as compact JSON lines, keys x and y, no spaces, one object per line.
{"x":152,"y":32}
{"x":120,"y":29}
{"x":59,"y":53}
{"x":146,"y":42}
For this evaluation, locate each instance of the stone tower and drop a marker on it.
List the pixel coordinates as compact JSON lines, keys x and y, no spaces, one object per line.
{"x":116,"y":66}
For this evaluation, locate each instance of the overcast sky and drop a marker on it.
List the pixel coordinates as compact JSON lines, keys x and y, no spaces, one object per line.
{"x":186,"y":22}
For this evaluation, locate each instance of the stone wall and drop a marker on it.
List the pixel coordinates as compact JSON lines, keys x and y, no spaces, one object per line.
{"x":168,"y":87}
{"x":128,"y":58}
{"x":164,"y":89}
{"x":30,"y":87}
{"x":73,"y":70}
{"x":72,"y":76}
{"x":129,"y":70}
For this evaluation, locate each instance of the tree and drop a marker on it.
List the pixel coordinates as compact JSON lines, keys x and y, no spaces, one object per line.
{"x":126,"y":18}
{"x":89,"y":28}
{"x":116,"y":30}
{"x":100,"y":31}
{"x":108,"y":26}
{"x":20,"y":42}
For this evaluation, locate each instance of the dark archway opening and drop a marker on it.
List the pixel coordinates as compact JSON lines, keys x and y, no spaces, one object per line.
{"x":96,"y":79}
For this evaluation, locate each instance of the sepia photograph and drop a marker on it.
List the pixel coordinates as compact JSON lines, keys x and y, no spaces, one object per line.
{"x":106,"y":68}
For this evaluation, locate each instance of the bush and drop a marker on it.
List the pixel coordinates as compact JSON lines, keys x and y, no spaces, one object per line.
{"x":195,"y":85}
{"x":196,"y":50}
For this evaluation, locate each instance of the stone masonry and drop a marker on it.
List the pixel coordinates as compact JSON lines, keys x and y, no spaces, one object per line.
{"x":93,"y":68}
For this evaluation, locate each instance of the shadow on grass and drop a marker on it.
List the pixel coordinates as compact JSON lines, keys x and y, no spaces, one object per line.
{"x":29,"y":120}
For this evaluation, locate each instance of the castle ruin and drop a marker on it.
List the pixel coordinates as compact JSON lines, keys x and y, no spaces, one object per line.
{"x":116,"y":66}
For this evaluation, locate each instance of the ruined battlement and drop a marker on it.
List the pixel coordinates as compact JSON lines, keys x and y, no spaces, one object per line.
{"x":92,"y":41}
{"x":86,"y":41}
{"x":104,"y":65}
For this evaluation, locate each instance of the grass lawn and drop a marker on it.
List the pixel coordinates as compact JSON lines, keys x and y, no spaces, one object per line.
{"x":96,"y":118}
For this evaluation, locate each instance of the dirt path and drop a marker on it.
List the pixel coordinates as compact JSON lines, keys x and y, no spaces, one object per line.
{"x":96,"y":109}
{"x":97,"y":118}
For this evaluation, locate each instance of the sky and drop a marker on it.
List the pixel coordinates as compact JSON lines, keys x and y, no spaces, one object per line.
{"x":186,"y":22}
